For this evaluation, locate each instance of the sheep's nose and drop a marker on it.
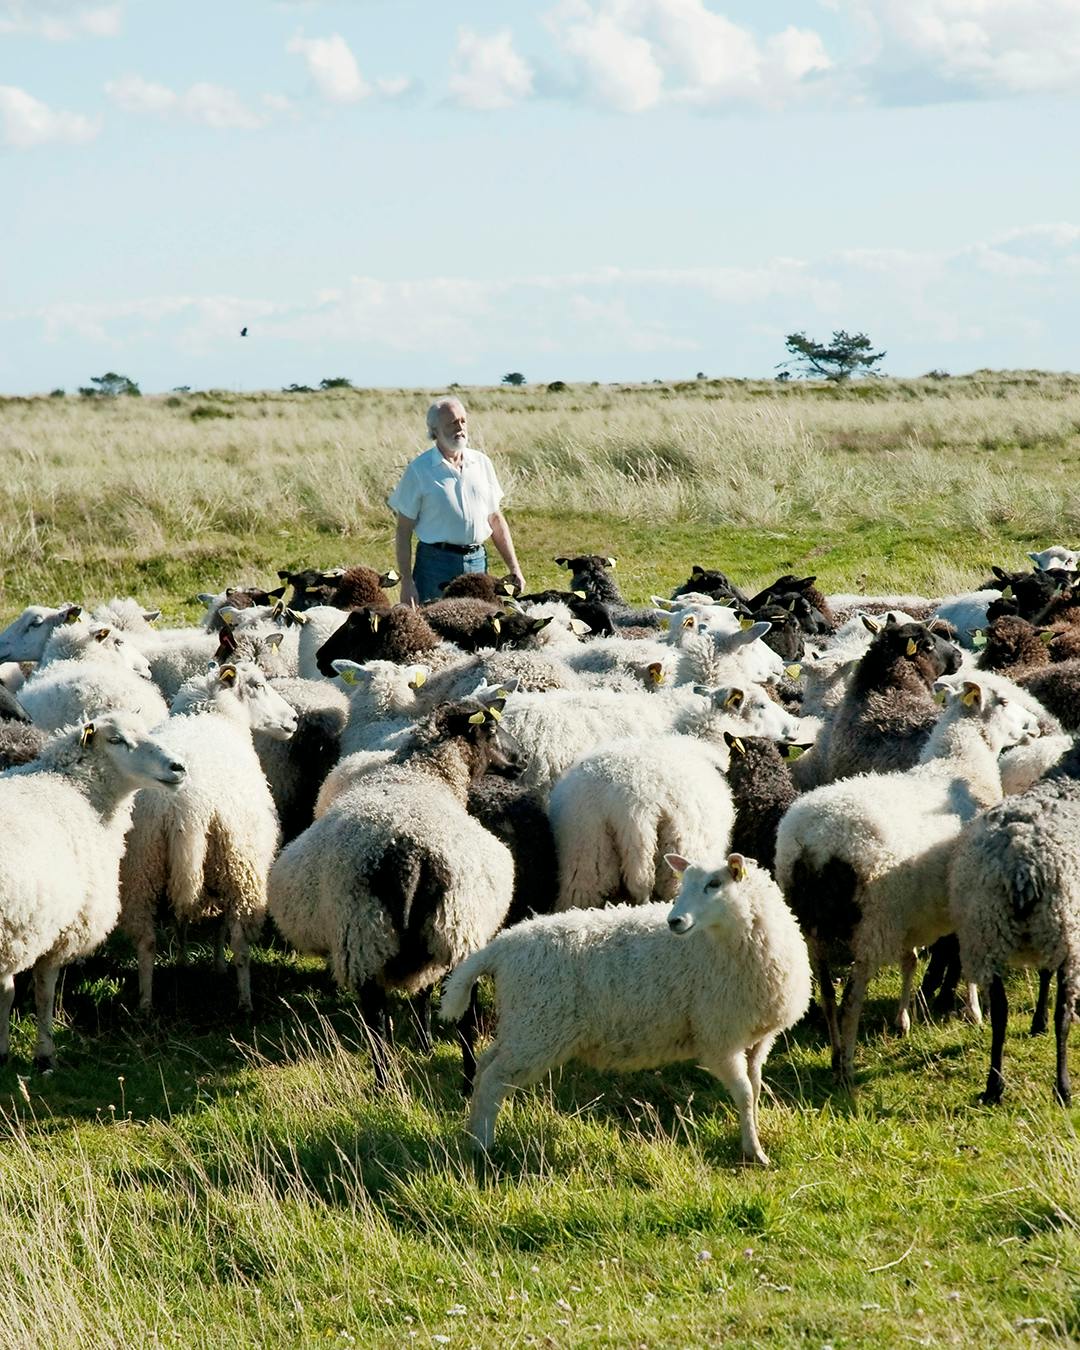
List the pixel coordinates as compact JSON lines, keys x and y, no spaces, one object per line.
{"x":177,"y":767}
{"x":680,"y":923}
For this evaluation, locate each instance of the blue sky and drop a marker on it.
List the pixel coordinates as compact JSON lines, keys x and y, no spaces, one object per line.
{"x":410,"y":193}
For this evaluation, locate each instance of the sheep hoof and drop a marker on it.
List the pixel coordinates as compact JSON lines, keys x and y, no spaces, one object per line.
{"x":995,"y":1090}
{"x":3,"y":1059}
{"x":44,"y":1063}
{"x":758,"y":1159}
{"x":1062,"y":1096}
{"x":1038,"y":1027}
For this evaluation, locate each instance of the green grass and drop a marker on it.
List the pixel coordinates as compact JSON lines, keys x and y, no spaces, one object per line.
{"x":201,"y":1181}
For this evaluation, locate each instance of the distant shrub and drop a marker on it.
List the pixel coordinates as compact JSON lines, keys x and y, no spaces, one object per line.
{"x":515,"y":377}
{"x":557,"y":387}
{"x":110,"y":385}
{"x":202,"y":411}
{"x":701,"y":375}
{"x":182,"y":389}
{"x":937,"y":375}
{"x":56,"y":393}
{"x":336,"y":382}
{"x":173,"y":402}
{"x":298,"y":389}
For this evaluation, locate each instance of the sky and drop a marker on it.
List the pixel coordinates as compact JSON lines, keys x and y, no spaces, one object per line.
{"x":408,"y":193}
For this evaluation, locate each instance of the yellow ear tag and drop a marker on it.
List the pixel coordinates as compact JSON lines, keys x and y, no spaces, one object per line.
{"x":665,"y":624}
{"x":374,"y":623}
{"x":476,"y":719}
{"x":795,"y":752}
{"x":100,"y":634}
{"x":737,"y":869}
{"x":689,"y":621}
{"x":656,"y":672}
{"x":793,"y":672}
{"x":86,"y":735}
{"x":496,"y":714}
{"x":581,"y":595}
{"x":969,"y":698}
{"x":418,"y":679}
{"x":940,"y":697}
{"x":744,"y":624}
{"x":911,"y":648}
{"x":736,"y":744}
{"x":610,"y":562}
{"x":348,"y":676}
{"x":392,"y":578}
{"x":227,"y":675}
{"x":1047,"y":637}
{"x":734,"y":699}
{"x":496,"y":625}
{"x":508,"y":589}
{"x":978,"y":639}
{"x":1007,"y":593}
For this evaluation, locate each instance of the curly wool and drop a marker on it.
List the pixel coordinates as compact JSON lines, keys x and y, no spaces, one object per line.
{"x":400,"y":634}
{"x":762,"y":790}
{"x":77,"y":691}
{"x":296,"y":769}
{"x":20,"y":743}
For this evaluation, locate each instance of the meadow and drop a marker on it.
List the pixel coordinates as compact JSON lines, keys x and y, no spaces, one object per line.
{"x":205,"y":1181}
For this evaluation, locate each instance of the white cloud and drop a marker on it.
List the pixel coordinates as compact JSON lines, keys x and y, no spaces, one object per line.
{"x":489,"y":73}
{"x":393,"y":86}
{"x":25,"y":121}
{"x":59,"y":21}
{"x":332,"y":67}
{"x":631,"y":54}
{"x":977,"y":46}
{"x":211,"y":105}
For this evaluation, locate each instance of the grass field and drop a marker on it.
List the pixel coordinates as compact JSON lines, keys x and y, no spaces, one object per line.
{"x":198,"y":1181}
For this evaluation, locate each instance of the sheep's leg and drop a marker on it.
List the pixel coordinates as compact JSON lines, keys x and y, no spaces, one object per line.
{"x":970,"y":1011}
{"x":421,"y":1011}
{"x":241,"y":954}
{"x":755,"y":1062}
{"x":7,"y":998}
{"x":827,"y":989}
{"x":181,"y":942}
{"x":850,"y":1013}
{"x":373,"y":1013}
{"x":1063,"y":1010}
{"x":903,"y":1012}
{"x":45,"y":975}
{"x":1040,"y":1017}
{"x":496,"y":1073}
{"x":221,"y":965}
{"x":937,"y":968}
{"x":146,"y":948}
{"x":467,"y":1029}
{"x":999,"y":1019}
{"x":733,"y":1072}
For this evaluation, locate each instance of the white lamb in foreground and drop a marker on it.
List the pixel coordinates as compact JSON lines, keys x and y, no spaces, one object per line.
{"x":65,"y":815}
{"x":716,"y":978}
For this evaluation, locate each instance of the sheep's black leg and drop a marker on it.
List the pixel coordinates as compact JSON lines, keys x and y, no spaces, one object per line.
{"x":942,"y":954}
{"x":945,"y":1000}
{"x":999,"y":1017}
{"x":467,"y":1029}
{"x":421,"y":1009}
{"x":1040,"y":1018}
{"x":1062,"y":1022}
{"x":373,"y":1012}
{"x":827,"y":990}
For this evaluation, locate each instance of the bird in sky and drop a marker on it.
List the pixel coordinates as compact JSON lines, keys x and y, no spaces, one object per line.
{"x":243,"y":332}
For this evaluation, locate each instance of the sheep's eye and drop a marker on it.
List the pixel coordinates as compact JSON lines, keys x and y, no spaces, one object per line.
{"x":116,"y":740}
{"x":36,"y":623}
{"x":713,"y":885}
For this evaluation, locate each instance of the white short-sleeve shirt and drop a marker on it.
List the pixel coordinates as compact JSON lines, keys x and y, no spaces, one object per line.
{"x":448,"y":505}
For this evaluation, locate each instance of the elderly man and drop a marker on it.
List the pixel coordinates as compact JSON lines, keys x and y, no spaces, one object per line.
{"x":450,"y":497}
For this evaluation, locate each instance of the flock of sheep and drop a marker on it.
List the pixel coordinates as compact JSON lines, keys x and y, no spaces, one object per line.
{"x":648,"y":825}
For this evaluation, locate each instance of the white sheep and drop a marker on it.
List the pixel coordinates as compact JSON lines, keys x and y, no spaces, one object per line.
{"x":207,"y":849}
{"x":64,"y":816}
{"x":716,"y":979}
{"x":864,"y":860}
{"x":716,"y":658}
{"x":26,"y":636}
{"x":1055,"y":558}
{"x":66,"y":692}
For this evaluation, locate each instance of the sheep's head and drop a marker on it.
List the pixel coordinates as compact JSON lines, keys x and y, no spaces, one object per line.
{"x":121,"y":741}
{"x":312,"y":586}
{"x":377,"y":634}
{"x":904,"y":651}
{"x":708,"y":896}
{"x":1011,"y":641}
{"x":475,"y":725}
{"x":1004,"y":721}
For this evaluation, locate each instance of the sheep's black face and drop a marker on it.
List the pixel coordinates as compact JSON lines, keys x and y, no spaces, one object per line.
{"x":356,"y":640}
{"x":709,"y":582}
{"x":785,"y":636}
{"x":311,"y":587}
{"x":933,"y":655}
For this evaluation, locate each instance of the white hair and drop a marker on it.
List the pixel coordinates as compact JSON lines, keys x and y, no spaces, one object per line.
{"x":436,"y":408}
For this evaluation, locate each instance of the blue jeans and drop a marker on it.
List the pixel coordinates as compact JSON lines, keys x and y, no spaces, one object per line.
{"x":434,"y":565}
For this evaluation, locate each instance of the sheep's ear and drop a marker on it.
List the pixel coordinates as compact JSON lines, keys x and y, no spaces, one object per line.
{"x":1000,"y":574}
{"x":100,"y":634}
{"x":477,"y":718}
{"x":274,"y":639}
{"x":87,"y":735}
{"x":806,"y":581}
{"x":72,"y":614}
{"x":562,"y":562}
{"x":1046,"y":636}
{"x":702,"y":691}
{"x":580,"y":627}
{"x":891,"y":620}
{"x":282,"y":576}
{"x":580,"y":595}
{"x":736,"y":865}
{"x":205,"y":598}
{"x":697,"y":571}
{"x":418,"y":677}
{"x":971,"y":695}
{"x":509,"y":687}
{"x":734,"y":743}
{"x":508,"y":588}
{"x":656,"y":672}
{"x":870,"y":623}
{"x":390,"y":578}
{"x":151,"y":615}
{"x":793,"y":671}
{"x":978,"y":638}
{"x":373,"y":620}
{"x":349,"y":671}
{"x":279,"y":592}
{"x":755,"y":630}
{"x":610,"y":562}
{"x":676,"y":862}
{"x":227,"y":675}
{"x":1007,"y":593}
{"x":658,"y":602}
{"x":733,"y":699}
{"x":540,"y":623}
{"x":1035,"y":559}
{"x":689,"y":622}
{"x":228,"y":614}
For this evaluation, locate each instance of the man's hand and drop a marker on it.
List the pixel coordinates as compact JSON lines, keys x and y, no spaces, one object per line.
{"x":408,"y":592}
{"x":518,"y":581}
